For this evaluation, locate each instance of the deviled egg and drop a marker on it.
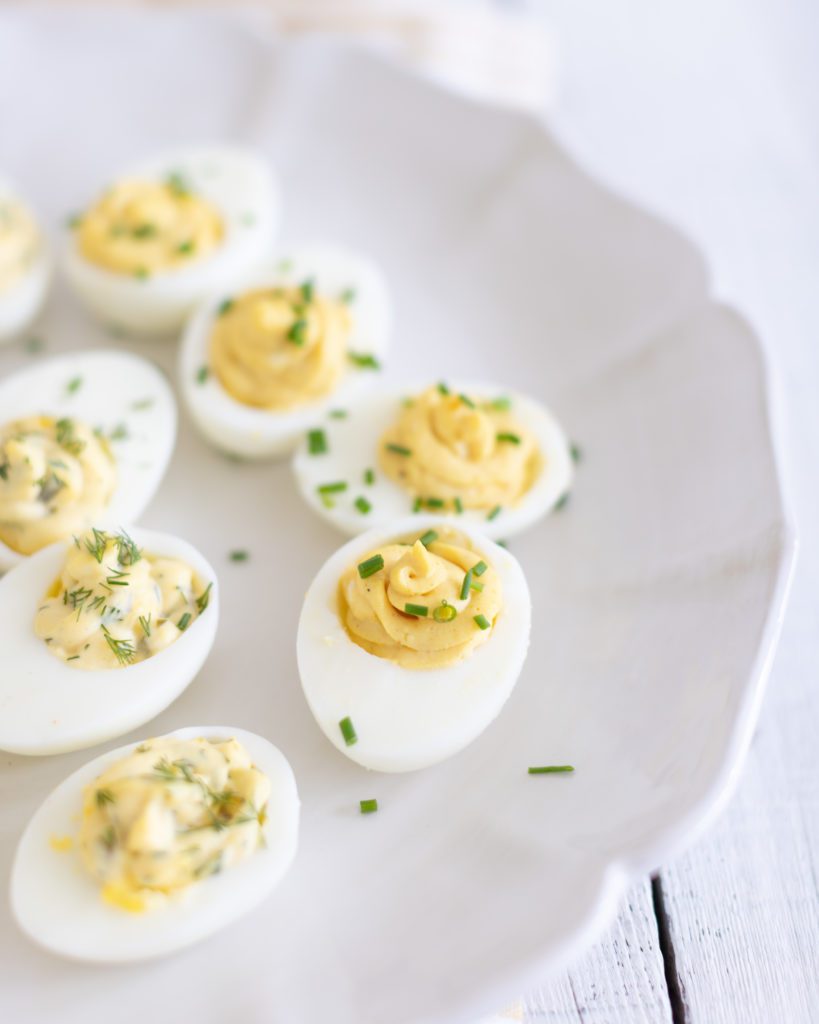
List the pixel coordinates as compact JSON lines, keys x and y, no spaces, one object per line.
{"x":410,"y":641}
{"x":493,"y":459}
{"x":259,"y":364}
{"x":168,"y":232}
{"x":155,"y":846}
{"x":25,"y":265}
{"x":84,"y":439}
{"x":99,"y":635}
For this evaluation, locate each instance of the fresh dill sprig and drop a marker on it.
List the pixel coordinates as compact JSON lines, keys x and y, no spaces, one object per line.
{"x":127,"y":551}
{"x":204,"y":598}
{"x":123,"y":650}
{"x":96,"y":544}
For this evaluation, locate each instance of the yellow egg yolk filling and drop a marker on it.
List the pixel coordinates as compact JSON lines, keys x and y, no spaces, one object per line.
{"x":423,"y":605}
{"x":19,"y":243}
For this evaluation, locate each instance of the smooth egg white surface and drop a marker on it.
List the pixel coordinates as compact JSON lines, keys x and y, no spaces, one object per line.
{"x":352,"y":448}
{"x":407,"y":719}
{"x":48,"y":706}
{"x":58,"y":904}
{"x":241,"y":185}
{"x":21,"y":303}
{"x":127,"y":397}
{"x":256,"y":433}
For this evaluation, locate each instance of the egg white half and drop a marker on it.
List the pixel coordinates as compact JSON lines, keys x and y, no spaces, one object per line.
{"x":47,"y":706}
{"x":20,"y":305}
{"x":352,"y":448}
{"x":407,"y":719}
{"x":257,"y":433}
{"x":57,"y":904}
{"x":126,"y":397}
{"x":242,"y":187}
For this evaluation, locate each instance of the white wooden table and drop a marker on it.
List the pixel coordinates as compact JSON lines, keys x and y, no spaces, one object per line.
{"x":708,"y":112}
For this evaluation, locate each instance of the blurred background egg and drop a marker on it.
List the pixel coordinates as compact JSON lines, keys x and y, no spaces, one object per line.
{"x":25,"y":265}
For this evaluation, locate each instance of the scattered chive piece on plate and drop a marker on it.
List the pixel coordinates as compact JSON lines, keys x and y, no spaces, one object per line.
{"x":482,"y":622}
{"x":368,"y":806}
{"x":494,"y":513}
{"x":479,"y":568}
{"x":502,"y":404}
{"x":551,"y":769}
{"x":364,"y":361}
{"x":369,"y":476}
{"x":467,"y":401}
{"x":466,"y":585}
{"x":562,"y":501}
{"x":202,"y":374}
{"x":363,"y":505}
{"x":445,"y":613}
{"x":398,"y":449}
{"x":338,"y":414}
{"x":459,"y":506}
{"x":428,"y":538}
{"x":511,"y":438}
{"x":443,"y":388}
{"x":371,"y":566}
{"x":184,"y":622}
{"x":419,"y":610}
{"x":316,"y":442}
{"x":348,"y":731}
{"x":576,"y":452}
{"x":224,"y":306}
{"x":334,"y":488}
{"x":74,"y":385}
{"x":348,"y":296}
{"x":239,"y":555}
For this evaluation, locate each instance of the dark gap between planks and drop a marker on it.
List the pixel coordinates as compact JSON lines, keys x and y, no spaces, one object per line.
{"x":672,"y":980}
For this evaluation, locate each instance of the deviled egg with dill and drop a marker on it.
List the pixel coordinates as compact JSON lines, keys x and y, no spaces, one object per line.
{"x":490,"y":458}
{"x":155,"y":846}
{"x":25,"y":265}
{"x":99,"y":635}
{"x":84,"y":439}
{"x":259,"y":363}
{"x":166,"y":233}
{"x":410,"y":640}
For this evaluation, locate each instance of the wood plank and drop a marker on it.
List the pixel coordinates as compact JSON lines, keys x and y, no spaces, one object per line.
{"x":620,"y":980}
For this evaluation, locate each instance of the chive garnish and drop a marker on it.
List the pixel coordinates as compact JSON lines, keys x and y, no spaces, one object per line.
{"x":144,"y":231}
{"x":348,"y":731}
{"x":443,"y":388}
{"x":576,"y":452}
{"x":296,"y":332}
{"x":445,"y":612}
{"x":103,"y":797}
{"x":73,"y":220}
{"x":428,"y":538}
{"x":316,"y":442}
{"x":184,"y":622}
{"x":479,"y":568}
{"x":562,"y":501}
{"x":334,"y":488}
{"x":496,"y":511}
{"x":416,"y":505}
{"x":368,"y":806}
{"x":34,"y":344}
{"x":141,"y":273}
{"x":123,"y":650}
{"x":348,"y":296}
{"x":239,"y":556}
{"x":465,"y":586}
{"x":202,"y":374}
{"x":371,"y":566}
{"x":467,"y":401}
{"x":510,"y":438}
{"x":398,"y":449}
{"x":177,"y":184}
{"x":363,"y":505}
{"x":551,"y":769}
{"x":434,"y":502}
{"x":74,"y":385}
{"x":502,"y":404}
{"x":459,"y":505}
{"x":419,"y":610}
{"x":204,"y":598}
{"x":482,"y":622}
{"x":369,"y":477}
{"x":364,"y":361}
{"x":224,"y":307}
{"x":307,"y":289}
{"x":145,"y":622}
{"x":143,"y":403}
{"x":474,"y":585}
{"x":338,"y":414}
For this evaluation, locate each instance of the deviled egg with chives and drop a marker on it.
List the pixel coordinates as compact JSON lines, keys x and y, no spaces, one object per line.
{"x":488,"y":457}
{"x":25,"y":265}
{"x":155,"y":846}
{"x":410,"y":641}
{"x":84,"y":439}
{"x":167,"y":232}
{"x":99,"y":635}
{"x":259,"y":363}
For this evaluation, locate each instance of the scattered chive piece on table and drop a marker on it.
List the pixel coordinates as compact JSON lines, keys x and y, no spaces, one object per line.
{"x":459,"y":506}
{"x":562,"y":501}
{"x":398,"y":449}
{"x":479,"y":568}
{"x":443,"y":388}
{"x":444,"y":613}
{"x":482,"y":622}
{"x":184,"y":622}
{"x":510,"y":438}
{"x":202,"y":374}
{"x":364,"y":361}
{"x":465,"y":586}
{"x":239,"y":555}
{"x":348,"y":296}
{"x":74,"y":385}
{"x":371,"y":566}
{"x":369,"y":476}
{"x":496,"y":511}
{"x":363,"y":505}
{"x":368,"y":806}
{"x":225,"y":306}
{"x":502,"y":404}
{"x":338,"y":414}
{"x":296,"y":332}
{"x":428,"y":538}
{"x":467,"y":401}
{"x":334,"y":488}
{"x":34,"y":344}
{"x":502,"y":543}
{"x":420,"y":610}
{"x":316,"y":442}
{"x":434,"y":502}
{"x":576,"y":452}
{"x":551,"y":769}
{"x":348,"y":731}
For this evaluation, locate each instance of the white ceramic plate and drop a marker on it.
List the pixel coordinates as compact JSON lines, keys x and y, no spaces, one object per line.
{"x":657,"y":592}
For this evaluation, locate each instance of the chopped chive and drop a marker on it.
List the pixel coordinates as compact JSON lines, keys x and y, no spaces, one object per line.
{"x":202,"y":374}
{"x":239,"y":555}
{"x":371,"y":566}
{"x":103,"y":796}
{"x":338,"y":414}
{"x":479,"y":568}
{"x":416,"y":505}
{"x":369,"y":477}
{"x":327,"y":501}
{"x":562,"y":501}
{"x":576,"y":452}
{"x":428,"y":538}
{"x":73,"y":657}
{"x":467,"y":401}
{"x":184,"y":622}
{"x":459,"y":505}
{"x":177,"y":184}
{"x":364,"y":361}
{"x":204,"y":598}
{"x":467,"y":583}
{"x":296,"y":332}
{"x":224,"y":306}
{"x":145,"y":622}
{"x":496,"y":511}
{"x":334,"y":488}
{"x":551,"y":769}
{"x":307,"y":289}
{"x":398,"y":449}
{"x":443,"y":388}
{"x":348,"y":296}
{"x":502,"y":404}
{"x":474,"y":585}
{"x":434,"y":502}
{"x":141,"y":273}
{"x":144,"y":231}
{"x":348,"y":731}
{"x":73,"y":220}
{"x":502,"y":543}
{"x":445,"y":613}
{"x":363,"y":505}
{"x":368,"y":806}
{"x":74,"y":385}
{"x":119,"y":433}
{"x":482,"y":622}
{"x":419,"y":610}
{"x":316,"y":442}
{"x":143,"y":403}
{"x":511,"y":438}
